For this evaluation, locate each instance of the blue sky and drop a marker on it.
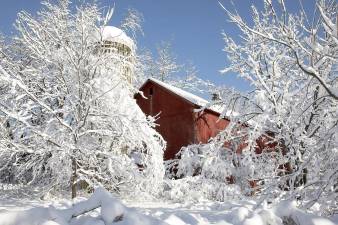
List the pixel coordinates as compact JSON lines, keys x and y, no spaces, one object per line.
{"x":192,"y":26}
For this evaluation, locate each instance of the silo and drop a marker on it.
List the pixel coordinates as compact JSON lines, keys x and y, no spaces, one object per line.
{"x":115,"y":41}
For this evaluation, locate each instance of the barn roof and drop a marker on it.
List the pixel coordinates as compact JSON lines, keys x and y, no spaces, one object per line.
{"x":184,"y":94}
{"x":191,"y":98}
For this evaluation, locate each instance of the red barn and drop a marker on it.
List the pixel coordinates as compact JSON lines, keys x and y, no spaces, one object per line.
{"x":179,"y":123}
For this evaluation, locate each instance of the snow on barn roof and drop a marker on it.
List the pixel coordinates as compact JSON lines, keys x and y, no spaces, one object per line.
{"x":184,"y":94}
{"x":194,"y":99}
{"x":114,"y":34}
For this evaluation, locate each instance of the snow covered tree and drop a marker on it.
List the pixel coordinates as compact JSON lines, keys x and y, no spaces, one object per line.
{"x":68,"y":110}
{"x":291,"y":115}
{"x":190,"y":81}
{"x":166,"y":62}
{"x":132,"y":22}
{"x":282,"y":138}
{"x":164,"y":67}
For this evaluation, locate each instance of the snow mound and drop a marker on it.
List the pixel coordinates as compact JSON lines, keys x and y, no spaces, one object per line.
{"x":112,"y":211}
{"x":82,"y":213}
{"x":239,"y":212}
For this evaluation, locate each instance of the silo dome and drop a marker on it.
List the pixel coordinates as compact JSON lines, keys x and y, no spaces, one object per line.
{"x":114,"y":34}
{"x":115,"y":41}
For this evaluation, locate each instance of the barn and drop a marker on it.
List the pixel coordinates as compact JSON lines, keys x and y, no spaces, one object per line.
{"x":180,"y":123}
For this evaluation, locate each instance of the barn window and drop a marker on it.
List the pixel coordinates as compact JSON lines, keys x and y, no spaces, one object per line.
{"x":151,"y":91}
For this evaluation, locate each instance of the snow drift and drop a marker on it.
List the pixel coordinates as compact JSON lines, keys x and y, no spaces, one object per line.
{"x":103,"y":209}
{"x":111,"y":211}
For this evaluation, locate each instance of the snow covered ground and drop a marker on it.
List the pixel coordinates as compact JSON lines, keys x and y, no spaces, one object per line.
{"x":112,"y":211}
{"x":229,"y":213}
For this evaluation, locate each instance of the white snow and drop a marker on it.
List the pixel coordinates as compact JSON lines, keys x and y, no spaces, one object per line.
{"x":228,"y":213}
{"x":194,"y":99}
{"x":82,"y":213}
{"x":114,"y":34}
{"x":161,"y":212}
{"x":184,"y":94}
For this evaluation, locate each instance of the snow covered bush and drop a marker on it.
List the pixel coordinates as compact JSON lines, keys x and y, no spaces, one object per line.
{"x":204,"y":172}
{"x":221,"y":168}
{"x":193,"y":189}
{"x":67,"y":113}
{"x":291,"y":63}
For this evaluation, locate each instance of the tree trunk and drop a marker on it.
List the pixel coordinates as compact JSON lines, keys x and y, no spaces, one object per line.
{"x":73,"y":179}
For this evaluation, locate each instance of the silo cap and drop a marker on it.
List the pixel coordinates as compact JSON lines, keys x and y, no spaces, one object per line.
{"x":114,"y":34}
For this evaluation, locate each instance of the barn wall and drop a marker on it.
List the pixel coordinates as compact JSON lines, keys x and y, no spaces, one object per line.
{"x":175,"y":119}
{"x":208,"y":125}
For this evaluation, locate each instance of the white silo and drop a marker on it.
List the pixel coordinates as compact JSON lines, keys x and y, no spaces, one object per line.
{"x":115,"y":41}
